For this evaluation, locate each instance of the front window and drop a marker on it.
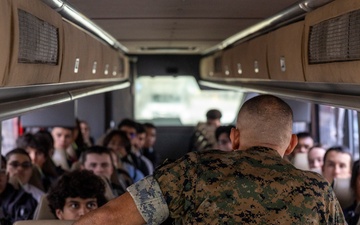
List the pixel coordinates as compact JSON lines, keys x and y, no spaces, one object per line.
{"x":168,"y":100}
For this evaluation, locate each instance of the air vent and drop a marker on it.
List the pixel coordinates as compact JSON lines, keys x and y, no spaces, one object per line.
{"x":336,"y":39}
{"x":38,"y":41}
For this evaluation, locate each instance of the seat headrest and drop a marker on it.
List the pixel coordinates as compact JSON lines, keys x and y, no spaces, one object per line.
{"x":343,"y":192}
{"x":300,"y":161}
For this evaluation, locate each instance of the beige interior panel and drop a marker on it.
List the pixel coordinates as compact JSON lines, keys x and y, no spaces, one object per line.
{"x":5,"y":37}
{"x":227,"y":63}
{"x":284,"y":53}
{"x":255,"y":66}
{"x":336,"y":72}
{"x":217,"y":65}
{"x":239,"y":60}
{"x":107,"y":62}
{"x":94,"y":60}
{"x":75,"y":64}
{"x":33,"y":73}
{"x":207,"y":67}
{"x":126,"y":74}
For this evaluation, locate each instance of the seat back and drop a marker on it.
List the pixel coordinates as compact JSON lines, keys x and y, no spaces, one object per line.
{"x":44,"y":222}
{"x":43,"y":211}
{"x":300,"y":161}
{"x":343,"y":192}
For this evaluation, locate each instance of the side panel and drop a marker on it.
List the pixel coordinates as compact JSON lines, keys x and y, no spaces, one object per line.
{"x":255,"y":60}
{"x":5,"y":37}
{"x":334,"y":72}
{"x":35,"y":31}
{"x":284,"y":53}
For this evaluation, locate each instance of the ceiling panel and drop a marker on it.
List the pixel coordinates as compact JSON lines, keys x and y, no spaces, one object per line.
{"x":168,"y":23}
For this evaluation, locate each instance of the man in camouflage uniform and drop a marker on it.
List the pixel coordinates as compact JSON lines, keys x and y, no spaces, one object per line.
{"x":251,"y":186}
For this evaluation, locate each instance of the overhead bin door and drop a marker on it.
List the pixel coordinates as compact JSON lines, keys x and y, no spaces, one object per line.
{"x":332,"y":44}
{"x":207,"y":67}
{"x":239,"y":60}
{"x":227,"y":63}
{"x":36,"y":45}
{"x":284,"y":53}
{"x":255,"y":66}
{"x":76,"y":66}
{"x":5,"y":37}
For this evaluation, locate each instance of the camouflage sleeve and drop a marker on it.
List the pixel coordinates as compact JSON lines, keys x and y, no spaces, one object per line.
{"x":335,"y":215}
{"x":149,"y":200}
{"x":177,"y":181}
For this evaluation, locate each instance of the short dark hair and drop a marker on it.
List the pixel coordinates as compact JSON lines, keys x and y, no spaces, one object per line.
{"x":140,"y":129}
{"x":15,"y":151}
{"x":339,"y":149}
{"x":83,"y":184}
{"x":94,"y":150}
{"x":3,"y":162}
{"x":127,"y":123}
{"x":223,"y":129}
{"x":124,"y":138}
{"x":354,"y":174}
{"x":213,"y":114}
{"x":304,"y":135}
{"x":35,"y":141}
{"x":149,"y":125}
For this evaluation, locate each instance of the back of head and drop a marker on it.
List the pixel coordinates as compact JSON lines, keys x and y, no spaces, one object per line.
{"x":213,"y":114}
{"x":265,"y":120}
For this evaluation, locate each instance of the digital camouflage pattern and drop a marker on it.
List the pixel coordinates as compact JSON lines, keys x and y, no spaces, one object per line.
{"x":255,"y":186}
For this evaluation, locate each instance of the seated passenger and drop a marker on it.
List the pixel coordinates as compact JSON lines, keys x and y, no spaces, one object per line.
{"x":85,"y":131}
{"x":352,"y":213}
{"x":14,"y":204}
{"x":119,"y":142}
{"x":222,"y":135}
{"x":75,"y":194}
{"x":38,"y":149}
{"x":337,"y":163}
{"x":98,"y":160}
{"x":122,"y":175}
{"x":316,"y":157}
{"x":148,"y":148}
{"x":252,"y":185}
{"x":64,"y":154}
{"x":19,"y":169}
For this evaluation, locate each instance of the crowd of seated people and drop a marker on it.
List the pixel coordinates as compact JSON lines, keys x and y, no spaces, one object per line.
{"x":123,"y":156}
{"x":60,"y":167}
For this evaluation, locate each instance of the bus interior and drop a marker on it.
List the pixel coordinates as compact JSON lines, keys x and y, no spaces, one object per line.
{"x":169,"y":61}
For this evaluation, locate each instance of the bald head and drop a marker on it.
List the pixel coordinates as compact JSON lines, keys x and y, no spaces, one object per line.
{"x":265,"y":120}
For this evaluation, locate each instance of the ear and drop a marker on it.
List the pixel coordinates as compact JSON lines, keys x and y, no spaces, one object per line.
{"x":59,"y":214}
{"x":292,"y":145}
{"x":235,"y":138}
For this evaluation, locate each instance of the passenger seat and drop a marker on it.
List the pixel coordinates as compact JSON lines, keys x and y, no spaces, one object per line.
{"x":343,"y":192}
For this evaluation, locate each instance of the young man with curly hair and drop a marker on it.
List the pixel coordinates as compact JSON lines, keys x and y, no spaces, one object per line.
{"x":75,"y":194}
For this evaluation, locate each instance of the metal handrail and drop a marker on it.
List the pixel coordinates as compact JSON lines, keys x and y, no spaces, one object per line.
{"x":284,"y":17}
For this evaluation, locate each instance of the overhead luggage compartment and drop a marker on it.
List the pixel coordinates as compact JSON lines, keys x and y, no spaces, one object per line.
{"x":5,"y":37}
{"x":207,"y":67}
{"x":284,"y":53}
{"x":332,"y":43}
{"x":36,"y":45}
{"x":239,"y":60}
{"x":78,"y":63}
{"x":255,"y":66}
